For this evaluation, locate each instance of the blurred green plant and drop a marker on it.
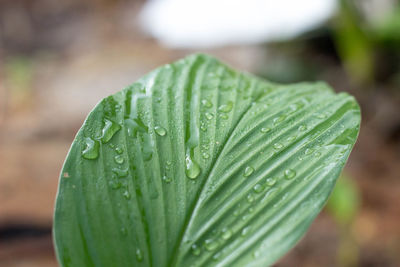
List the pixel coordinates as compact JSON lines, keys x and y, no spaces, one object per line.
{"x":343,"y":205}
{"x":18,"y":80}
{"x":368,"y":50}
{"x":353,"y":44}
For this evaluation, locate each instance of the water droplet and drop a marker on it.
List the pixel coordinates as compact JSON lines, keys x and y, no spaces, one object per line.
{"x":160,"y":130}
{"x":265,"y":129}
{"x":302,"y":128}
{"x":203,"y":127}
{"x":119,"y":150}
{"x":226,"y":233}
{"x":250,"y":198}
{"x":321,"y":115}
{"x":317,"y":154}
{"x":258,"y":188}
{"x":279,"y":119}
{"x":195,"y":250}
{"x":209,"y":115}
{"x":236,"y":213}
{"x":210,"y":244}
{"x":115,"y":184}
{"x":139,"y":255}
{"x":109,"y":129}
{"x":278,"y":145}
{"x":308,"y":151}
{"x":224,"y":116}
{"x":271,"y":181}
{"x":126,"y":194}
{"x":291,"y":138}
{"x":119,"y":159}
{"x":248,"y":171}
{"x":91,"y":150}
{"x":205,"y":155}
{"x":245,"y":230}
{"x":120,"y":172}
{"x":206,"y":103}
{"x":192,"y":168}
{"x":290,"y":174}
{"x":166,"y":179}
{"x":226,"y":107}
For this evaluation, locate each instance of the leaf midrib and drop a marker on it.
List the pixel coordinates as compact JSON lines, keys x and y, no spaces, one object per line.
{"x":189,"y":217}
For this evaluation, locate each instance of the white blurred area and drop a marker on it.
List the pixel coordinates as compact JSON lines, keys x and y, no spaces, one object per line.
{"x":214,"y":23}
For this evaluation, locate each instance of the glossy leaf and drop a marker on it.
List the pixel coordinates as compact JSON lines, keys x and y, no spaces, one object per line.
{"x":199,"y":165}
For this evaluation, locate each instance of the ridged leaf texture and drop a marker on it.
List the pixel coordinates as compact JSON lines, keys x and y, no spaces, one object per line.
{"x":197,"y":164}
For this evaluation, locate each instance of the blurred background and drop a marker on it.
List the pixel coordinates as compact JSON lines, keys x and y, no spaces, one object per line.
{"x":58,"y":58}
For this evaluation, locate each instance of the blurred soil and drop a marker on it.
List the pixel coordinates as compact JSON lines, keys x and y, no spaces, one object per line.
{"x":79,"y":53}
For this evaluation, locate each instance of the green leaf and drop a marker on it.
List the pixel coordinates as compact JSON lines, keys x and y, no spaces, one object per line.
{"x":199,"y":165}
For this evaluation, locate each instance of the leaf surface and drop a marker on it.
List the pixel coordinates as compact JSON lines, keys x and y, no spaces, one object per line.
{"x":200,"y":165}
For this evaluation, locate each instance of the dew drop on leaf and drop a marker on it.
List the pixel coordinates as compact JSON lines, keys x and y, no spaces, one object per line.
{"x":226,"y":107}
{"x":160,"y":130}
{"x":206,"y":103}
{"x":250,"y":198}
{"x":302,"y":128}
{"x":195,"y":250}
{"x":120,"y":172}
{"x":271,"y":181}
{"x":248,"y":171}
{"x":119,"y":159}
{"x":119,"y":150}
{"x":224,"y":116}
{"x":192,"y":168}
{"x":245,"y":230}
{"x":91,"y":150}
{"x":308,"y":151}
{"x":226,"y":233}
{"x":209,"y":115}
{"x":290,"y":174}
{"x":205,"y":155}
{"x":258,"y":188}
{"x":109,"y":129}
{"x":291,"y":138}
{"x":278,"y":145}
{"x":265,"y":129}
{"x":279,"y":119}
{"x":115,"y":184}
{"x":139,"y":255}
{"x":166,"y":179}
{"x":126,"y":194}
{"x":210,"y":244}
{"x":203,"y":127}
